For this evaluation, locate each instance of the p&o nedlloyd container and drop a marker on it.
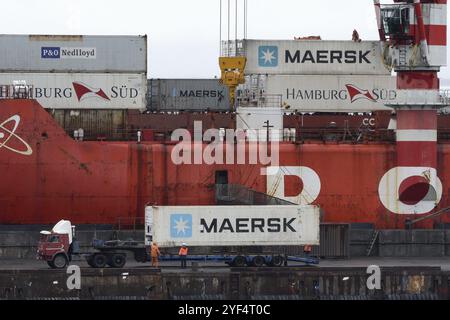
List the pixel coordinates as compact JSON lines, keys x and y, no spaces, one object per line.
{"x":312,"y":57}
{"x":66,"y":53}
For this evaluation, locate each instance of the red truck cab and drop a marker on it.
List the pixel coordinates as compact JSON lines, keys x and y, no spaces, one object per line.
{"x":54,"y":246}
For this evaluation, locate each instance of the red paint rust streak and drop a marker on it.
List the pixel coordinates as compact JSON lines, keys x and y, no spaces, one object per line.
{"x":417,"y":80}
{"x":88,"y":182}
{"x":436,"y":35}
{"x":95,"y":182}
{"x":417,"y":120}
{"x":417,"y":138}
{"x":417,"y":154}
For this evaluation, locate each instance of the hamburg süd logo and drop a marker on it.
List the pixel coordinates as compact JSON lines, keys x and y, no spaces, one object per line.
{"x":84,"y":91}
{"x":357,"y":93}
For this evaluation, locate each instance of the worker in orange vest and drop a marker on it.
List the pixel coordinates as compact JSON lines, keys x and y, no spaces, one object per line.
{"x":183,"y":254}
{"x":307,"y":250}
{"x":155,"y":253}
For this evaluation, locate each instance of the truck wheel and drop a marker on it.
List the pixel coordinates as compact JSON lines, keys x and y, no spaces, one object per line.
{"x":117,"y":260}
{"x":258,"y":261}
{"x":239,"y":262}
{"x":60,"y":261}
{"x":277,"y":261}
{"x":89,"y":261}
{"x":99,"y":261}
{"x":50,"y":264}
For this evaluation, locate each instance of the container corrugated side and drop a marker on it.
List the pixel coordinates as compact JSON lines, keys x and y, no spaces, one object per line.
{"x":82,"y":90}
{"x":109,"y":54}
{"x":188,"y":95}
{"x":96,"y":124}
{"x":334,"y":240}
{"x":235,"y":225}
{"x":314,"y":57}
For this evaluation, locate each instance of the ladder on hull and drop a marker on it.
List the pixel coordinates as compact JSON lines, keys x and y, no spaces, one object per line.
{"x":375,"y":235}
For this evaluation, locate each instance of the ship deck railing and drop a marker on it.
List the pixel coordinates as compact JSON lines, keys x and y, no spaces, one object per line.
{"x":294,"y":135}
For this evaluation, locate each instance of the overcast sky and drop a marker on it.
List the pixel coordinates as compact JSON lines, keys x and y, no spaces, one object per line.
{"x":183,"y":35}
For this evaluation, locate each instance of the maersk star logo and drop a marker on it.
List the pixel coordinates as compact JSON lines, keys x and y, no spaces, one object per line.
{"x":268,"y":56}
{"x":181,"y":226}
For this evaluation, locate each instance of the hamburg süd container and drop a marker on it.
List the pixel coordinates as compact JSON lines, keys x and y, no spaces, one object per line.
{"x":78,"y":90}
{"x":336,"y":93}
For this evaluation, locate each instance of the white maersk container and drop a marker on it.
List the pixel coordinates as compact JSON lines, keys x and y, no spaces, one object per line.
{"x":79,"y":90}
{"x":54,"y":53}
{"x":312,"y":57}
{"x":333,"y":93}
{"x":233,"y":225}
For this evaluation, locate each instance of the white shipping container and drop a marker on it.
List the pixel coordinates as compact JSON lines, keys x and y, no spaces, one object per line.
{"x":60,"y":53}
{"x":304,"y":57}
{"x":80,"y":90}
{"x":233,"y":225}
{"x":334,"y":93}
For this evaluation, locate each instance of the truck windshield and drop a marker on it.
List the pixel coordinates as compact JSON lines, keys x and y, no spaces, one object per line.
{"x":53,"y":239}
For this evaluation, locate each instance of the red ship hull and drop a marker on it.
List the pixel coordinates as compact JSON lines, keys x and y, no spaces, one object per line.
{"x":100,"y":182}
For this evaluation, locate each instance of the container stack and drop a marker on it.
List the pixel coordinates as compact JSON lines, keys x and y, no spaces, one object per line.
{"x":319,"y":76}
{"x":88,"y":83}
{"x":76,"y":72}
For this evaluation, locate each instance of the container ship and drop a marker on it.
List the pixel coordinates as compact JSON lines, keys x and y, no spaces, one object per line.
{"x":85,"y":136}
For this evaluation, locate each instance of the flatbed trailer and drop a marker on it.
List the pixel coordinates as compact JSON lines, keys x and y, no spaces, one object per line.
{"x":252,"y":260}
{"x":116,"y":257}
{"x":116,"y":253}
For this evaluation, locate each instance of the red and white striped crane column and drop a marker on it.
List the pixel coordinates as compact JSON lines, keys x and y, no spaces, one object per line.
{"x":417,"y":36}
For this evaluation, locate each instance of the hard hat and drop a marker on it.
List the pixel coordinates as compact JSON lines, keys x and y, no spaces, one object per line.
{"x":184,"y":244}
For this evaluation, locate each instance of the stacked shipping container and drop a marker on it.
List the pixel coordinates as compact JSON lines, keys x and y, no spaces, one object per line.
{"x":77,"y":75}
{"x":187,"y":95}
{"x":315,"y":75}
{"x":72,"y":54}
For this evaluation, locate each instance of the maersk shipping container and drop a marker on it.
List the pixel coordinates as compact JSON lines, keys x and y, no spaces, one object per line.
{"x":53,"y":53}
{"x":79,"y":90}
{"x":233,"y":225}
{"x":310,"y":57}
{"x":187,"y":95}
{"x":337,"y":93}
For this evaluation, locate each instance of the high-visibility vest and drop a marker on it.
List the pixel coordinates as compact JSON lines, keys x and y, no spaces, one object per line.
{"x":183,"y":251}
{"x":155,"y":251}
